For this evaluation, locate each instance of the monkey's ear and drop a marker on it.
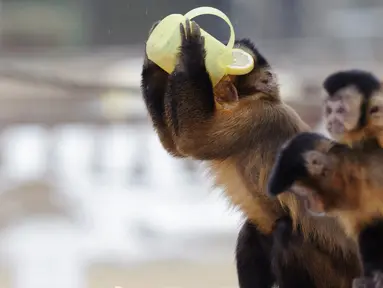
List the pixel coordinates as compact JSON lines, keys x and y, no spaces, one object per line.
{"x":317,"y":163}
{"x":225,"y":91}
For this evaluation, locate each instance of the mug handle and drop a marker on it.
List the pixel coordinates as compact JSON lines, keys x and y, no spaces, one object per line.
{"x":213,"y":11}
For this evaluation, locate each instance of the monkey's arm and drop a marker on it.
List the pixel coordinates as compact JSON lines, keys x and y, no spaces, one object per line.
{"x":200,"y":130}
{"x":153,"y":86}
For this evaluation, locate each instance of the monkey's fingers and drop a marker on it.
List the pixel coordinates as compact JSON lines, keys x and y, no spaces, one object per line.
{"x":182,"y":32}
{"x":188,"y":28}
{"x":196,"y":34}
{"x":195,"y":30}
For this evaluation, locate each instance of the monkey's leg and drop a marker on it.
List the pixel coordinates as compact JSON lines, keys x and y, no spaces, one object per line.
{"x":288,"y":269}
{"x":253,"y":258}
{"x":153,"y":86}
{"x":299,"y":262}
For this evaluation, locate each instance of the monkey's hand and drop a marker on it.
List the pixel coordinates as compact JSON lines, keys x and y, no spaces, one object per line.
{"x":153,"y":86}
{"x":189,"y":99}
{"x":192,"y":57}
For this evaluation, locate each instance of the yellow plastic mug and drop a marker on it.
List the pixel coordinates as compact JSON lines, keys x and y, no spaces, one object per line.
{"x":163,"y":44}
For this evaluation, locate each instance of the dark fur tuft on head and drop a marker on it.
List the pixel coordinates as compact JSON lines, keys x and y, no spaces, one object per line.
{"x":261,"y":61}
{"x":364,"y":81}
{"x":290,"y":165}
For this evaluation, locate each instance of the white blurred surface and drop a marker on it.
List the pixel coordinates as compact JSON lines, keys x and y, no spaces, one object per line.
{"x":114,"y":218}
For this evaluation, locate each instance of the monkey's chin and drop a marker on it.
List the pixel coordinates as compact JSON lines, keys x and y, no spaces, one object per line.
{"x":336,"y":130}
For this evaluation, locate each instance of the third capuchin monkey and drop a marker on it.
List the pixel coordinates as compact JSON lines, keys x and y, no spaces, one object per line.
{"x":353,"y":108}
{"x":333,"y":179}
{"x":239,"y":142}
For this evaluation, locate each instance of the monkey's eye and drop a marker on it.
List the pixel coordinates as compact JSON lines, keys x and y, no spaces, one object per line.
{"x":374,"y":109}
{"x":328,"y":110}
{"x":340,"y":110}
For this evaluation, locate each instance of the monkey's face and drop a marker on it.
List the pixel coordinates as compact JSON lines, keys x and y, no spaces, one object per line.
{"x":260,"y":80}
{"x":266,"y":81}
{"x":342,"y":112}
{"x":232,"y":88}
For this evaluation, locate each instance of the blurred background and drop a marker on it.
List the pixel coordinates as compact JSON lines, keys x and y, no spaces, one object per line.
{"x":88,"y":197}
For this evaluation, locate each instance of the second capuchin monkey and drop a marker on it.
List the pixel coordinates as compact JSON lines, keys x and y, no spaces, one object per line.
{"x":336,"y":180}
{"x":353,"y":108}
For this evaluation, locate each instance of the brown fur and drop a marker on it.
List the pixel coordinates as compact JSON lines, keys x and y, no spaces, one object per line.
{"x":346,"y":183}
{"x":240,"y":149}
{"x":352,"y":187}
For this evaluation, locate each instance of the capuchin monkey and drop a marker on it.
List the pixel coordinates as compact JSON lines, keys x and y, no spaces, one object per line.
{"x":353,"y":108}
{"x":342,"y":182}
{"x":239,"y":143}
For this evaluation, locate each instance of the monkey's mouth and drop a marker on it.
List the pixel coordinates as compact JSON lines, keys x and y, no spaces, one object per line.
{"x":335,"y":127}
{"x":311,"y":200}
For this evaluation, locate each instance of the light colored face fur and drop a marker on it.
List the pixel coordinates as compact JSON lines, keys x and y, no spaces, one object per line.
{"x":342,"y":112}
{"x":267,"y":81}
